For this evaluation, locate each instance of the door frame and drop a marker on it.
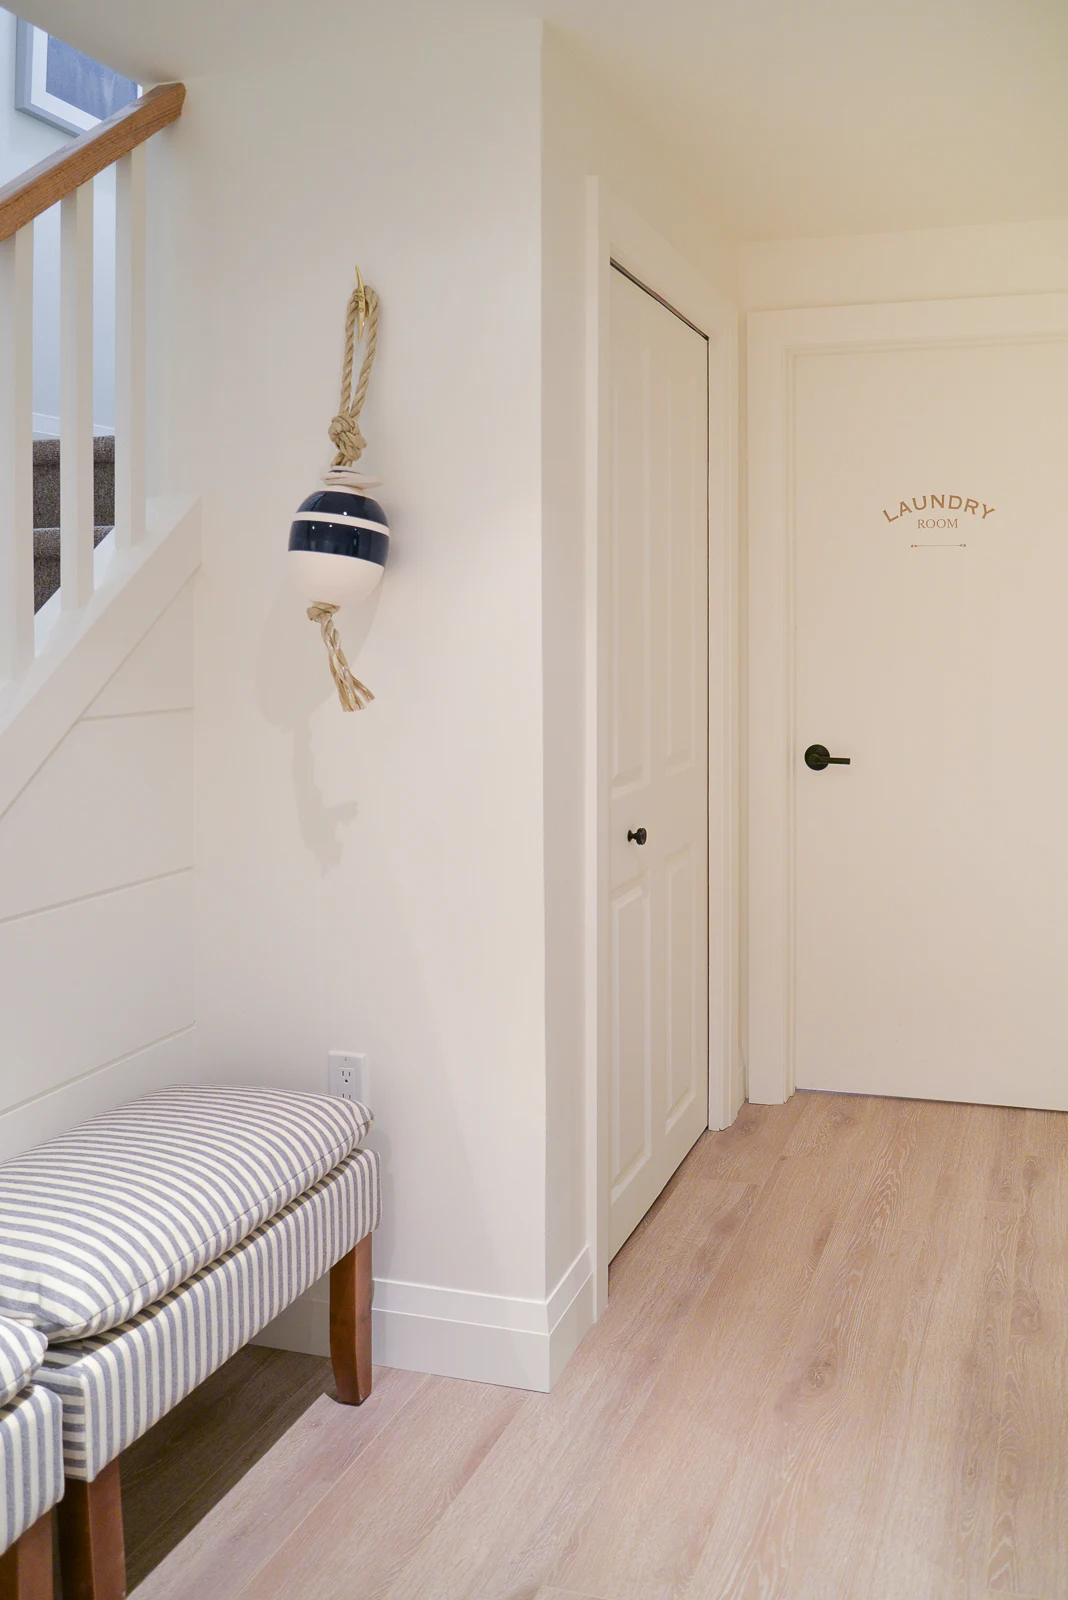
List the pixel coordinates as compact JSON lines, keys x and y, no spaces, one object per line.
{"x":775,"y":342}
{"x":615,"y":234}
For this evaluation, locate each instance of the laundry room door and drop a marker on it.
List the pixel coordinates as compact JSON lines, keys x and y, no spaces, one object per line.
{"x":657,"y":715}
{"x":926,"y":503}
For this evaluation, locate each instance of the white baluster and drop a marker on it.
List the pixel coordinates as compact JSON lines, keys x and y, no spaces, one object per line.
{"x":76,"y":398}
{"x":130,"y":348}
{"x":16,"y":453}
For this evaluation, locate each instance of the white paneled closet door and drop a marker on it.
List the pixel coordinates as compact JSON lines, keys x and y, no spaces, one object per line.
{"x":657,"y":620}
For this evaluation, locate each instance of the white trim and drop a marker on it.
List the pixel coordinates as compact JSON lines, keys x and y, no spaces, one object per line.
{"x":457,"y":1333}
{"x":483,"y":1310}
{"x":31,"y":91}
{"x":78,"y":652}
{"x":776,"y":340}
{"x":16,"y":464}
{"x":615,"y":233}
{"x":131,"y":361}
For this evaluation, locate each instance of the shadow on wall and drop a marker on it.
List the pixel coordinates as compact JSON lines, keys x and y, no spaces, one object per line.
{"x":295,"y":692}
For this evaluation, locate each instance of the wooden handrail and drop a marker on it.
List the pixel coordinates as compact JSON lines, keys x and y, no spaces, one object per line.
{"x":60,"y":174}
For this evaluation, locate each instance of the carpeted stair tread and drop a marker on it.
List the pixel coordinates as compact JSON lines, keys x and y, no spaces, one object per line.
{"x":46,"y":481}
{"x":46,"y":508}
{"x":46,"y":562}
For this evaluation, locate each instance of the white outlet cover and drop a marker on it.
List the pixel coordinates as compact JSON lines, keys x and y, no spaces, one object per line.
{"x":347,"y":1075}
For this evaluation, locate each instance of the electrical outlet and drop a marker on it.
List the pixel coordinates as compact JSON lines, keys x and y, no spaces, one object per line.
{"x":348,"y":1075}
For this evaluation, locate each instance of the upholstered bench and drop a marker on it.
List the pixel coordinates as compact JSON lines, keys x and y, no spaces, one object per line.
{"x":31,"y":1467}
{"x":151,"y":1243}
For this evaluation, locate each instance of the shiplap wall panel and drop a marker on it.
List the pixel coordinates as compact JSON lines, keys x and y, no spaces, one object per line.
{"x":112,"y":806}
{"x":96,"y":941}
{"x":84,"y":984}
{"x":170,"y":1060}
{"x":158,"y":675}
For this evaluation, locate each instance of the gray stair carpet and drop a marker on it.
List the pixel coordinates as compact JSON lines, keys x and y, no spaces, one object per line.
{"x":46,"y":562}
{"x":46,"y":508}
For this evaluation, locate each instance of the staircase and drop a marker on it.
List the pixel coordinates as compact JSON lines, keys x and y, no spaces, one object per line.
{"x":106,"y":589}
{"x":46,"y":508}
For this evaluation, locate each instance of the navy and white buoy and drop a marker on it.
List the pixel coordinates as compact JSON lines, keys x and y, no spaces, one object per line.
{"x":339,"y":538}
{"x":339,"y":542}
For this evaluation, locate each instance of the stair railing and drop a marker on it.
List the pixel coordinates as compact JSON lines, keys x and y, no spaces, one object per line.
{"x":66,"y":178}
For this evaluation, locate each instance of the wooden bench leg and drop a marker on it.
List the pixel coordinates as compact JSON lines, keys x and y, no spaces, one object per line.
{"x":92,"y":1558}
{"x":26,"y":1569}
{"x":351,"y":1288}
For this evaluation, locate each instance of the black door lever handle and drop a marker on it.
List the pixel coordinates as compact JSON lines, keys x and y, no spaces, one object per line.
{"x":817,"y":756}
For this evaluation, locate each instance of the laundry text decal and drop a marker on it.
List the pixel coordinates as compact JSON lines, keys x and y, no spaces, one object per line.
{"x":941,"y":502}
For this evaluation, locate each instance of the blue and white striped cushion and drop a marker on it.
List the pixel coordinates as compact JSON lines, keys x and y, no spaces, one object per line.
{"x":103,"y":1220}
{"x":21,"y":1349}
{"x":31,"y":1461}
{"x":115,"y":1385}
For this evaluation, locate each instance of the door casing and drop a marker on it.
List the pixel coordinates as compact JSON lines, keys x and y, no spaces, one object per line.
{"x":615,"y":234}
{"x":776,"y":339}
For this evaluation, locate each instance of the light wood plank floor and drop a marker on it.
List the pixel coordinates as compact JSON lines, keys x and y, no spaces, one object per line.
{"x":834,"y":1367}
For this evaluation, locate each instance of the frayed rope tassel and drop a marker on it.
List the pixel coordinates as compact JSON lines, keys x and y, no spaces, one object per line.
{"x":353,"y":694}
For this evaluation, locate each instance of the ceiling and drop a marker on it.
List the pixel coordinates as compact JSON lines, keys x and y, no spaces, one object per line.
{"x":815,"y":117}
{"x":791,"y":118}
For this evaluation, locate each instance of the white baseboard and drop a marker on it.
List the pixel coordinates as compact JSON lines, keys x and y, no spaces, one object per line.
{"x":520,"y":1344}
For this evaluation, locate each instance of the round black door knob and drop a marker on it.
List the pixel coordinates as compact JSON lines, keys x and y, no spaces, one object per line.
{"x":639,"y":835}
{"x":817,"y":756}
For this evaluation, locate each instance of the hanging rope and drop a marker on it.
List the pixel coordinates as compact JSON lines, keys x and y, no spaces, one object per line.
{"x":350,"y":444}
{"x":353,"y":694}
{"x":345,"y":429}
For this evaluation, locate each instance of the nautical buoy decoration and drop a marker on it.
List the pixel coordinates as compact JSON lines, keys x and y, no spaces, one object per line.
{"x":339,"y":540}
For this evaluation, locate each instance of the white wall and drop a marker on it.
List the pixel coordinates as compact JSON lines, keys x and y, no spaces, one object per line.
{"x":934,"y":264}
{"x":96,"y":930}
{"x":381,"y":882}
{"x":403,"y":881}
{"x":585,"y":131}
{"x":25,"y":140}
{"x":378,"y":882}
{"x":375,"y":881}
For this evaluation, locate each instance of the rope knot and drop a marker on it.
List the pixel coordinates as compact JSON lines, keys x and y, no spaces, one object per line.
{"x":346,"y":438}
